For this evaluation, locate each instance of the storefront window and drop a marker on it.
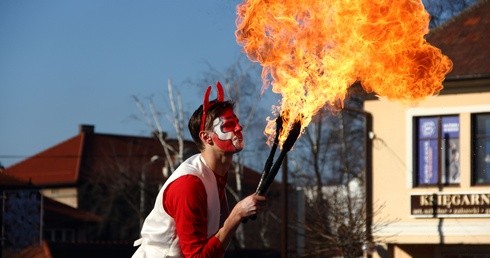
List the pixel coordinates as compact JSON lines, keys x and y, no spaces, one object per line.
{"x":481,"y":148}
{"x":437,"y":150}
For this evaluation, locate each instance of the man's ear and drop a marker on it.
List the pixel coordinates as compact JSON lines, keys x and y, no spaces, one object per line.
{"x":206,"y":137}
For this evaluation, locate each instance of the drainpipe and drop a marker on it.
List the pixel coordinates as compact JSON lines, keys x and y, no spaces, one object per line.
{"x":369,"y":245}
{"x":369,"y":183}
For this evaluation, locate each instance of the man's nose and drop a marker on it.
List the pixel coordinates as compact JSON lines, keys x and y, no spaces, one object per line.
{"x":238,"y":127}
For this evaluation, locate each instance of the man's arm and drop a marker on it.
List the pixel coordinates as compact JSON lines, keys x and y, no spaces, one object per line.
{"x":185,"y":200}
{"x":247,"y":207}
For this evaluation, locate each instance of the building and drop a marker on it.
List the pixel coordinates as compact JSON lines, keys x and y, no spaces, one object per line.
{"x":89,"y":195}
{"x":431,"y":161}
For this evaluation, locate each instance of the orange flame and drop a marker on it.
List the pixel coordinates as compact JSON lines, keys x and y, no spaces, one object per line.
{"x":312,"y":51}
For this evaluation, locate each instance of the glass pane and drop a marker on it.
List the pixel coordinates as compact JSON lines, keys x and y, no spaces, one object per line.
{"x":428,"y":128}
{"x":483,"y":124}
{"x":450,"y":150}
{"x":450,"y":126}
{"x":450,"y":159}
{"x":427,"y":149}
{"x":481,"y":149}
{"x":427,"y":165}
{"x":482,"y":161}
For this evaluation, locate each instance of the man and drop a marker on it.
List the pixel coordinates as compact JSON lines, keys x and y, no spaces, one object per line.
{"x":190,"y":217}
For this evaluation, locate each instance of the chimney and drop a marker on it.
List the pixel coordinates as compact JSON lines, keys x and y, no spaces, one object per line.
{"x":88,"y":129}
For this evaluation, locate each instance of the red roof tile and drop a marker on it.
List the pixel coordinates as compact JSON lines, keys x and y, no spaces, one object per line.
{"x":9,"y":181}
{"x":89,"y":153}
{"x":94,"y":153}
{"x":465,"y":39}
{"x":57,"y":165}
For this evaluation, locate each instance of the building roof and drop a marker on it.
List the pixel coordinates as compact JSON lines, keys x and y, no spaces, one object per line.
{"x":58,"y":164}
{"x":8,"y":181}
{"x":465,"y":39}
{"x":57,"y":211}
{"x":62,"y":164}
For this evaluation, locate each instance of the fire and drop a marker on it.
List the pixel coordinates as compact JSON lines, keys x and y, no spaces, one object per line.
{"x":312,"y":51}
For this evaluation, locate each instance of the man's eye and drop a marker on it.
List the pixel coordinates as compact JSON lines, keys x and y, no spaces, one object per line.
{"x":229,"y":125}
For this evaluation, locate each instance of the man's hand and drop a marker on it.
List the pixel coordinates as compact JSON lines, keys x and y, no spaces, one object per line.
{"x":251,"y":205}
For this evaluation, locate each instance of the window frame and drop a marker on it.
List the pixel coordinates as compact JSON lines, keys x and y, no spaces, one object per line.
{"x":474,"y":136}
{"x":441,"y":146}
{"x":464,"y":111}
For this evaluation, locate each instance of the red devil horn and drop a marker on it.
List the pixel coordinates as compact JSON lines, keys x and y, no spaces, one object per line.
{"x":205,"y":106}
{"x":221,"y":95}
{"x":205,"y":103}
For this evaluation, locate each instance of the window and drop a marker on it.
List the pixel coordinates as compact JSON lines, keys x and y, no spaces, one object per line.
{"x":436,"y":150}
{"x":481,"y":148}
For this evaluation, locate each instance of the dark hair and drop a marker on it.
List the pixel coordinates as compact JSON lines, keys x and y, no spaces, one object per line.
{"x":214,"y":111}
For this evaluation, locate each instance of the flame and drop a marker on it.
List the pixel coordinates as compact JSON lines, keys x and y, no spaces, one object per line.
{"x":312,"y":51}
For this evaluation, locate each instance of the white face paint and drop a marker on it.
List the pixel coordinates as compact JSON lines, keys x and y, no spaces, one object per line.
{"x":227,"y":132}
{"x":217,"y":128}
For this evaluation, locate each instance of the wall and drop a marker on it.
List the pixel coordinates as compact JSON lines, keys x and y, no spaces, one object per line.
{"x":67,"y":195}
{"x":392,"y":173}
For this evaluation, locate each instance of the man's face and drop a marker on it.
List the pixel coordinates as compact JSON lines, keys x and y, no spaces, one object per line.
{"x":227,"y":132}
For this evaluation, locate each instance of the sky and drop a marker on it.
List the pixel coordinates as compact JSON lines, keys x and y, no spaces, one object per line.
{"x":65,"y":62}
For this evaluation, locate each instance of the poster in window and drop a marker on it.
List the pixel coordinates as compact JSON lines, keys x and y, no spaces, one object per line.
{"x":450,"y":150}
{"x":428,"y":151}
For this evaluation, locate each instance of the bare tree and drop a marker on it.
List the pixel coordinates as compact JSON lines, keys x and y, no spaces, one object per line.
{"x":111,"y":185}
{"x":152,"y":117}
{"x":327,"y":162}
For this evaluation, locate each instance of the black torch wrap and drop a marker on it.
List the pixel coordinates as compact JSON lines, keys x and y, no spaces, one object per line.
{"x":268,"y":162}
{"x":268,"y":176}
{"x":271,"y":170}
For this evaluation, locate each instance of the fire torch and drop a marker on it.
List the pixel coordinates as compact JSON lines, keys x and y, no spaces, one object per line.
{"x":271,"y":169}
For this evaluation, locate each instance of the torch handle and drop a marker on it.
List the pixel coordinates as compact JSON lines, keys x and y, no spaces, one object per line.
{"x":268,"y":177}
{"x":269,"y":174}
{"x":266,"y":181}
{"x":264,"y":186}
{"x":268,"y":162}
{"x":268,"y":165}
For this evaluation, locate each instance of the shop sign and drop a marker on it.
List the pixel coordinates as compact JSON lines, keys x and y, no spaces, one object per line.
{"x":450,"y":205}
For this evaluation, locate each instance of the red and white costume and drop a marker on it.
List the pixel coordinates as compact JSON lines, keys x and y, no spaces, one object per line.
{"x":186,"y":215}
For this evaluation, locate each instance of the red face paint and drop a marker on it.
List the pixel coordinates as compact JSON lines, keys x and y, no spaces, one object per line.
{"x":227,"y":132}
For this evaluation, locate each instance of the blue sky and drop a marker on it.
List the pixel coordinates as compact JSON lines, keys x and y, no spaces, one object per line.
{"x":66,"y":62}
